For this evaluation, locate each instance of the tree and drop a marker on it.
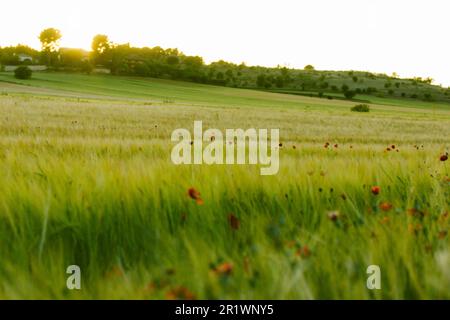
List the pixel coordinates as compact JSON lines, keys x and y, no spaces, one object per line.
{"x":261,"y":81}
{"x":349,"y":94}
{"x":172,"y":60}
{"x":23,"y":72}
{"x":344,"y":88}
{"x":50,"y":42}
{"x":101,"y":49}
{"x":309,"y":68}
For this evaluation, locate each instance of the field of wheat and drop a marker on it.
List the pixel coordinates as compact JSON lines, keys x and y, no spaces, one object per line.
{"x":86,"y":179}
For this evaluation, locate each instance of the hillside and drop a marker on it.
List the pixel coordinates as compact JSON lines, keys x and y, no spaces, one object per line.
{"x":160,"y":91}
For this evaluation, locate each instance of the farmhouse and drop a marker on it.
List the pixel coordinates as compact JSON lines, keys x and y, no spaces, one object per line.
{"x":25,"y":58}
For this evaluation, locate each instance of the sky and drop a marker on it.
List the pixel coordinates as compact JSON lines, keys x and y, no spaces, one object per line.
{"x":409,"y":37}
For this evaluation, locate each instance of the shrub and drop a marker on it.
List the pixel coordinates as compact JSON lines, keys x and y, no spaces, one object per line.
{"x":361,"y":108}
{"x":349,"y":94}
{"x":23,"y":72}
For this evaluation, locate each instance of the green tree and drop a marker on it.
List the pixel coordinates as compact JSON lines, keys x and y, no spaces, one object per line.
{"x":261,"y":81}
{"x":49,"y":39}
{"x":349,"y":94}
{"x":101,"y":49}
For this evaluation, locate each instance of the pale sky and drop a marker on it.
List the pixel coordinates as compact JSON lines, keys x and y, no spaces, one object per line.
{"x":410,"y":37}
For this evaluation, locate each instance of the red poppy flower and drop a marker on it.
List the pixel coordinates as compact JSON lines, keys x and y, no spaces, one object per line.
{"x":386,"y":206}
{"x":180,"y":293}
{"x":195,"y":195}
{"x":303,"y":252}
{"x":375,"y":190}
{"x":224,"y":269}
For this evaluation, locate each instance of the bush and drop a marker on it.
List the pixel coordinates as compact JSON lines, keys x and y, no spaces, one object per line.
{"x":361,"y":108}
{"x":349,"y":94}
{"x":23,"y":72}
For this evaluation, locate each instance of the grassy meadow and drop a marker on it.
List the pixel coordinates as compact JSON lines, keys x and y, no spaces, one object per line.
{"x":86,"y":179}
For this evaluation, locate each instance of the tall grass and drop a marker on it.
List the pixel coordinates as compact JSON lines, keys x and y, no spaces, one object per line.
{"x":91,"y":183}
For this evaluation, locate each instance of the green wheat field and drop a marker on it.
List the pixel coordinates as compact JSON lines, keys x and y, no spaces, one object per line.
{"x":86,"y":179}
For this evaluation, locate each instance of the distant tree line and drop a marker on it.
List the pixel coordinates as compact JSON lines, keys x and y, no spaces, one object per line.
{"x":123,"y":59}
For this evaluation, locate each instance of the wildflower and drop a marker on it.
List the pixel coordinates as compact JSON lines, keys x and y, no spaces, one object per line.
{"x":304,"y":252}
{"x":336,"y":145}
{"x":223,"y":269}
{"x":388,"y":149}
{"x":280,"y":144}
{"x":444,"y":157}
{"x":375,"y":190}
{"x":393,"y":146}
{"x":413,"y":212}
{"x":115,"y":272}
{"x":233,"y":221}
{"x":333,"y":215}
{"x":180,"y":293}
{"x":414,"y":228}
{"x":195,"y":195}
{"x":386,"y":206}
{"x":156,"y":285}
{"x":385,"y":220}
